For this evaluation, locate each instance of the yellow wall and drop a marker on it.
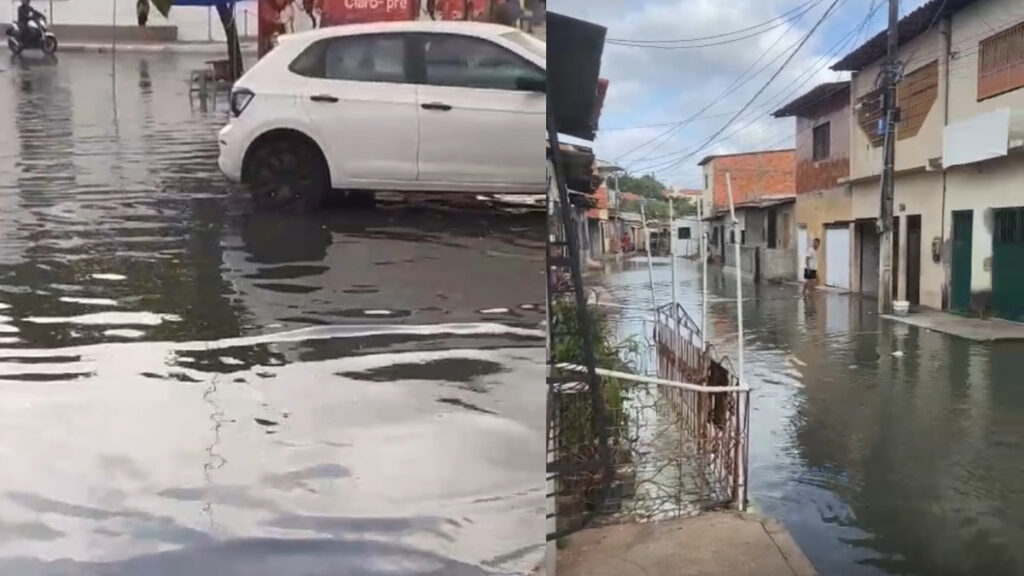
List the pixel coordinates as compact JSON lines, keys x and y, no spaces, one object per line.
{"x":816,"y":209}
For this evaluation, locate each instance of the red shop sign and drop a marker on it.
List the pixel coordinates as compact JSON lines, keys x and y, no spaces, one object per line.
{"x":336,"y":12}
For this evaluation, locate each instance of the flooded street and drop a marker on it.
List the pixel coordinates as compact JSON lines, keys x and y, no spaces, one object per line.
{"x":187,"y":387}
{"x":877,"y":463}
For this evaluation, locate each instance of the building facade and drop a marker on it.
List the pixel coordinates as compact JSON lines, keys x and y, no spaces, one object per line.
{"x":190,"y":23}
{"x":959,"y":186}
{"x":763,"y":190}
{"x":823,"y":205}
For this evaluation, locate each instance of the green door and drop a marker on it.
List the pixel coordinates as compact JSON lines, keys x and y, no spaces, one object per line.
{"x":1008,"y":264}
{"x":963,"y":225}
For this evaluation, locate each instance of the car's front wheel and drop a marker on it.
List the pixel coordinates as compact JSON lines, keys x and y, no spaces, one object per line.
{"x":288,"y":174}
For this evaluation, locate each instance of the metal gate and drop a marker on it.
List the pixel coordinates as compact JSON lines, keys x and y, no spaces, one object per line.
{"x":960,"y":286}
{"x":1008,"y":264}
{"x":837,"y":256}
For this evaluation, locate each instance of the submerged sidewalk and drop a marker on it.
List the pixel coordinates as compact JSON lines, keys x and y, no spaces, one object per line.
{"x":206,"y":48}
{"x":712,"y":544}
{"x":976,"y":329}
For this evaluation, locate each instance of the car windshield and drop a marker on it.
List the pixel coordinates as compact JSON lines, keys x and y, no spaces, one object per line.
{"x":532,"y":44}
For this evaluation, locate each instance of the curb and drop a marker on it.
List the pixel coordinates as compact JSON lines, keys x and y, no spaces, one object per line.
{"x":203,"y":49}
{"x":788,"y":547}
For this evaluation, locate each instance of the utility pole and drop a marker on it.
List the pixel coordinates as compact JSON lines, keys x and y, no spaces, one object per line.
{"x":890,"y":112}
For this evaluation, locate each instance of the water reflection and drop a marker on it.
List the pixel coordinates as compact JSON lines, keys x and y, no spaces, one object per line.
{"x":188,"y":387}
{"x":885,"y":449}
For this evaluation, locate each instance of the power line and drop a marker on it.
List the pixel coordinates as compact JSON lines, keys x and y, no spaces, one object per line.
{"x":640,"y":44}
{"x":714,"y":36}
{"x":660,"y":124}
{"x":735,"y":85}
{"x":761,"y":90}
{"x":782,"y":95}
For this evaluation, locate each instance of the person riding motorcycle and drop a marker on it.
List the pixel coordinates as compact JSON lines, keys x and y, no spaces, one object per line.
{"x":26,"y":14}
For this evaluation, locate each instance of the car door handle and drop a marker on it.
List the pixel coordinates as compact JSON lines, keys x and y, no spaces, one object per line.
{"x":323,"y":98}
{"x":436,"y":106}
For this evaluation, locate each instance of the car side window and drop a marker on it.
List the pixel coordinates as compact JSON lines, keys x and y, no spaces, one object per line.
{"x":465,"y":61}
{"x":369,"y":58}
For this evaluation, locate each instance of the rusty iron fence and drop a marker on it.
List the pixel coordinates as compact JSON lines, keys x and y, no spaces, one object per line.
{"x":676,"y":420}
{"x":715,"y":413}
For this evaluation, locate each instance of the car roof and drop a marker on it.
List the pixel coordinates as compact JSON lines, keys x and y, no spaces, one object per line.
{"x":484,"y":29}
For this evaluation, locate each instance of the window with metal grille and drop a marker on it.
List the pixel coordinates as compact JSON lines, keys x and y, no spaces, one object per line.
{"x":684,"y":233}
{"x":1001,"y":62}
{"x":1009,"y":226}
{"x":822,"y":140}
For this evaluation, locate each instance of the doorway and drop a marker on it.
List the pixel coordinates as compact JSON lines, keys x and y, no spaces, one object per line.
{"x":894,"y":272}
{"x":960,"y":286}
{"x":914,"y":259}
{"x":869,"y":243}
{"x":1007,"y":271}
{"x":801,"y":251}
{"x":837,"y":256}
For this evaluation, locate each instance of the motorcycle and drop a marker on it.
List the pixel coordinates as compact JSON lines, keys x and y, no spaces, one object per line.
{"x":34,"y":35}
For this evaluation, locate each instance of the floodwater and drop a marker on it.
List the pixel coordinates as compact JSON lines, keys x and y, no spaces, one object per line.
{"x":187,"y":387}
{"x":885,"y":449}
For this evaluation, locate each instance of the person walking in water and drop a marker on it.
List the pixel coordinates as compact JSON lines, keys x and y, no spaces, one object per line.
{"x":811,"y":266}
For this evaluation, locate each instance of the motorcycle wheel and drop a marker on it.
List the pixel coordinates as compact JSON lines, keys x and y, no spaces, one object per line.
{"x":49,"y":45}
{"x":14,"y":46}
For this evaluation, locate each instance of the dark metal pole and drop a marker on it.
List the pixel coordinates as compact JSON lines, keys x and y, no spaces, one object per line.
{"x":890,"y":111}
{"x":583,"y":319}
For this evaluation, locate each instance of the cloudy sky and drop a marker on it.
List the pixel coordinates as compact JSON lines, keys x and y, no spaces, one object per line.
{"x":652,"y":89}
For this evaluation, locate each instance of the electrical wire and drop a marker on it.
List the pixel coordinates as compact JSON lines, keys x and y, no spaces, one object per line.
{"x":714,"y":36}
{"x":761,"y":90}
{"x":783,"y":95}
{"x":736,"y":84}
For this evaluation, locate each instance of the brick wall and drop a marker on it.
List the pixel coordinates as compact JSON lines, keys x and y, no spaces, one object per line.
{"x":824,"y":175}
{"x":753,"y":176}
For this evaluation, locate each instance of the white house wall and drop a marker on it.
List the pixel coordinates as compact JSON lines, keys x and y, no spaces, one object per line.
{"x":195,"y":23}
{"x":911,"y":153}
{"x":919,"y":193}
{"x":967,"y":28}
{"x":995,"y":184}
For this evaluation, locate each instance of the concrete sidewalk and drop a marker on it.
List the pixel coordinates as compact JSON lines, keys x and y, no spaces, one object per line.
{"x":712,"y":544}
{"x":976,"y":329}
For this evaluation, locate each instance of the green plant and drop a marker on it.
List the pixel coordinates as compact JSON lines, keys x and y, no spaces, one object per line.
{"x":578,"y":431}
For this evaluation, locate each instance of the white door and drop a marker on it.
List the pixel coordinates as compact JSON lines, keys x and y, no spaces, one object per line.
{"x":481,"y":117}
{"x":801,"y":251}
{"x":837,"y":256}
{"x":364,"y":108}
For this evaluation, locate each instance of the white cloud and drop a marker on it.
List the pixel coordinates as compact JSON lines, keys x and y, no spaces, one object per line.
{"x":650,"y":86}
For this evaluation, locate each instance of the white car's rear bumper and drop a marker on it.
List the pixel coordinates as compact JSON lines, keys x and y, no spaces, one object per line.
{"x":232,"y":152}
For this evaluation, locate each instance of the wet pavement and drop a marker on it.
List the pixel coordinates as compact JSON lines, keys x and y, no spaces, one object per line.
{"x":188,"y":387}
{"x":884,"y":449}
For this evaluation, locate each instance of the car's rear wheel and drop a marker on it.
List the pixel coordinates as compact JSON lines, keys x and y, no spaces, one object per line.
{"x":287,"y":174}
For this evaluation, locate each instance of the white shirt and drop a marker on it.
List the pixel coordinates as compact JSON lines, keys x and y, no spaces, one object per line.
{"x":812,"y":259}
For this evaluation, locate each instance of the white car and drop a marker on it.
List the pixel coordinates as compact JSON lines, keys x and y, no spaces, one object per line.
{"x":401,"y":106}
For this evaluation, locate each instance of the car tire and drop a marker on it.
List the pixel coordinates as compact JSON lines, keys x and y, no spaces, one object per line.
{"x":287,"y":174}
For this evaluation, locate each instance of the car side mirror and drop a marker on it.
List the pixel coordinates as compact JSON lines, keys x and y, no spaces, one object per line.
{"x":531,"y":84}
